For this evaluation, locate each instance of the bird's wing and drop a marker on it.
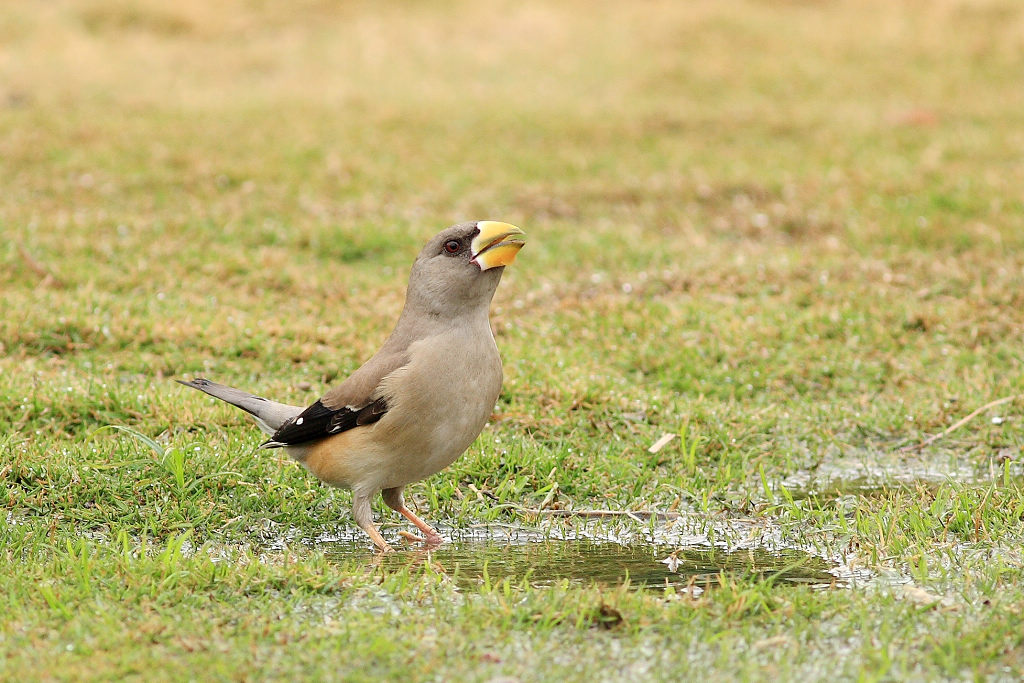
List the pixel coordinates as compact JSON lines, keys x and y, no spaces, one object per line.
{"x":353,"y":403}
{"x":318,"y":421}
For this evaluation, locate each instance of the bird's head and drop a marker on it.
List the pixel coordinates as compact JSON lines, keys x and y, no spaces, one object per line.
{"x":459,"y":269}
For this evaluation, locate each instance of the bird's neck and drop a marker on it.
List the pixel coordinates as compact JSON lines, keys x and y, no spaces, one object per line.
{"x":430,"y":319}
{"x":418,"y":321}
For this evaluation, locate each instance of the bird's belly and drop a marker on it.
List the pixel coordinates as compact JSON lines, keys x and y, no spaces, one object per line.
{"x":411,"y":466}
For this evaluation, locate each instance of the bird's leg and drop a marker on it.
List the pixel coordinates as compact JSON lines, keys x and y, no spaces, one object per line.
{"x":393,"y":499}
{"x":364,"y":518}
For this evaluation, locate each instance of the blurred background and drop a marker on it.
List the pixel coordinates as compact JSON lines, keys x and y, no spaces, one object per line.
{"x":692,"y":122}
{"x":745,"y":201}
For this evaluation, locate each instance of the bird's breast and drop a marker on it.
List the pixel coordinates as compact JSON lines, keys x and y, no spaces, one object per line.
{"x":440,"y":402}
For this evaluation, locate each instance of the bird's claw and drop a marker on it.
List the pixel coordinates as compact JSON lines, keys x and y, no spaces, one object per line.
{"x":429,"y":540}
{"x":412,"y":538}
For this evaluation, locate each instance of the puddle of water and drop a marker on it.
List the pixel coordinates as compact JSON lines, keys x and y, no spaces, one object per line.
{"x":864,"y":487}
{"x":472,"y":561}
{"x":831,"y":481}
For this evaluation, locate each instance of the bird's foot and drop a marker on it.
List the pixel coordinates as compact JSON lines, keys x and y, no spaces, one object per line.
{"x":412,"y":538}
{"x":429,"y":540}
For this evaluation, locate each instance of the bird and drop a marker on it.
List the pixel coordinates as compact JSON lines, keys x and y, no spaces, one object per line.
{"x":420,"y":401}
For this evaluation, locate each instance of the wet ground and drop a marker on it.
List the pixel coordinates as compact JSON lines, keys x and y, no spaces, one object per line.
{"x":685,"y":551}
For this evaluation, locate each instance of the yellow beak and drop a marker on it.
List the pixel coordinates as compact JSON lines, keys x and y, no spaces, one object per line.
{"x":497,"y":244}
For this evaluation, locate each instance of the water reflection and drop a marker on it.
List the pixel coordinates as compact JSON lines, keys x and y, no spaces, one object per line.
{"x":471,"y":562}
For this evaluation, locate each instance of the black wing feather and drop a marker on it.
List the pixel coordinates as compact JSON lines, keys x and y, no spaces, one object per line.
{"x":318,"y":421}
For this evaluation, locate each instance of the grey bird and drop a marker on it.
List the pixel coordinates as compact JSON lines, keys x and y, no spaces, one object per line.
{"x":420,"y":401}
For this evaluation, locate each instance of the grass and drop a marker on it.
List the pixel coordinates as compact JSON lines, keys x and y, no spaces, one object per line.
{"x":791,"y":232}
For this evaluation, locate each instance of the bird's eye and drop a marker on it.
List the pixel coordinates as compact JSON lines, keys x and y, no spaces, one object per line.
{"x":452,"y":246}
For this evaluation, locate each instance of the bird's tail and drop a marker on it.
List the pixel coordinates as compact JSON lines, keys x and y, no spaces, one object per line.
{"x":269,"y":415}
